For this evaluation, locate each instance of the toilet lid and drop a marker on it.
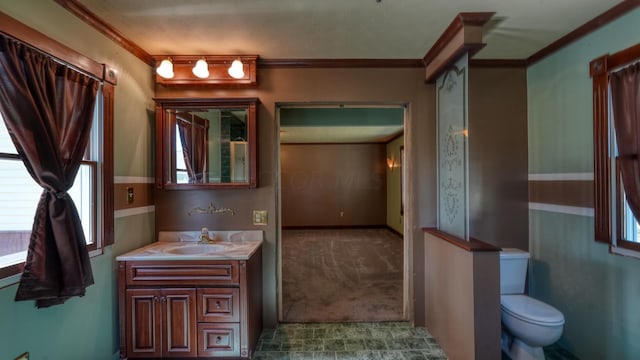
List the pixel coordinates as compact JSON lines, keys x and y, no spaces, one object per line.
{"x":531,"y":310}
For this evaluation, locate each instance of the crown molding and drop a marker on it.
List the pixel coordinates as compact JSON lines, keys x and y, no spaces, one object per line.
{"x":84,"y":14}
{"x":592,"y":25}
{"x":498,"y":63}
{"x":462,"y":36}
{"x":339,"y":63}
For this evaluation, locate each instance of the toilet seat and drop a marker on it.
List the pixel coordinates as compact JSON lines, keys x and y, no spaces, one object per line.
{"x":530,"y":310}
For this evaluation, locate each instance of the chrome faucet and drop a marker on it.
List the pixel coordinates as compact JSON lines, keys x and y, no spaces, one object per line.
{"x":205,"y":239}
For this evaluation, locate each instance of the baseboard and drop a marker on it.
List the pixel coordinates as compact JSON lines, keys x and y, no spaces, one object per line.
{"x":342,"y":227}
{"x":328,"y":227}
{"x":394,"y":230}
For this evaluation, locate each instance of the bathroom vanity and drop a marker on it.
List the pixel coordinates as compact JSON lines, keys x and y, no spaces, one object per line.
{"x":182,"y":298}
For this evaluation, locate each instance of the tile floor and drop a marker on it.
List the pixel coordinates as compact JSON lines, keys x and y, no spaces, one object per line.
{"x":362,"y":341}
{"x":357,"y":341}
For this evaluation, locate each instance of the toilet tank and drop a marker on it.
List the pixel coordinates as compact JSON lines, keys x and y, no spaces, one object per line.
{"x":513,"y":270}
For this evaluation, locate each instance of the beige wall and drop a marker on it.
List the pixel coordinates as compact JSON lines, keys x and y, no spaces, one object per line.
{"x":333,"y":184}
{"x":463,"y":287}
{"x":498,"y":165}
{"x":463,"y":300}
{"x":371,"y":86}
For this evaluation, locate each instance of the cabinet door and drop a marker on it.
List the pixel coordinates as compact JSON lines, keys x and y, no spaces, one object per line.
{"x":144,"y":321}
{"x":179,"y":322}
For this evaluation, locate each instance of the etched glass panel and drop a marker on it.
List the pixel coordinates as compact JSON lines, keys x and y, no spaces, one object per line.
{"x":452,"y":150}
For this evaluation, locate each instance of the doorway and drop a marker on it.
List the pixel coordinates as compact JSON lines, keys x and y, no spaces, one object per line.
{"x":342,"y":248}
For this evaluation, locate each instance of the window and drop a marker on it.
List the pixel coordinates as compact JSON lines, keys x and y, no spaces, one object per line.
{"x":92,"y":190}
{"x":626,"y":224}
{"x":614,"y":221}
{"x":19,"y":196}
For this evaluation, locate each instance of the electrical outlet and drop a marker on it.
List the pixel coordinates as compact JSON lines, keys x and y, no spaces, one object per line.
{"x":130,"y":195}
{"x":259,"y":217}
{"x":24,"y":356}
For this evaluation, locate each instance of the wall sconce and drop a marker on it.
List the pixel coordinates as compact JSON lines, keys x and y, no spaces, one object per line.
{"x":463,"y":132}
{"x":391,"y":163}
{"x":165,"y":69}
{"x":214,"y":70}
{"x":201,"y":69}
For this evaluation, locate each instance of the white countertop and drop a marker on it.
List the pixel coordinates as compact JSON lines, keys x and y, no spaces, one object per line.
{"x":183,"y":245}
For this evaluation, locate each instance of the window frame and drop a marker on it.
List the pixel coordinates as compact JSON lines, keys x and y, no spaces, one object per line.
{"x":107,"y":75}
{"x":608,"y":190}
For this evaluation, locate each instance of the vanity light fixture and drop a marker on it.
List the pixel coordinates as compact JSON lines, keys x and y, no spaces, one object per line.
{"x":165,"y":69}
{"x":236,"y":70}
{"x":210,"y":70}
{"x":201,"y":69}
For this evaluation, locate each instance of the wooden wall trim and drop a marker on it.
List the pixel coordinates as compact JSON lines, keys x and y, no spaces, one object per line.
{"x":17,"y":30}
{"x":458,"y":23}
{"x":473,"y":245}
{"x":498,"y":63}
{"x":338,"y":63}
{"x":463,"y":35}
{"x":577,"y":193}
{"x":601,"y":162}
{"x":84,"y":14}
{"x":599,"y":21}
{"x":108,"y":93}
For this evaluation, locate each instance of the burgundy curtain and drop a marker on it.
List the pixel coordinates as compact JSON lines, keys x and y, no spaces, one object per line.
{"x":625,"y":100}
{"x":48,"y":110}
{"x":193,"y":135}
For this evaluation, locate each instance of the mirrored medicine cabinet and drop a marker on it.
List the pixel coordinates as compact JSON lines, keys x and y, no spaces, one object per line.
{"x":206,"y":143}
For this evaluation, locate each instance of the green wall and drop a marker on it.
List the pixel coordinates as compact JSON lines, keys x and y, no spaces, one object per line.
{"x":598,"y":292}
{"x":82,"y":328}
{"x":87,"y":327}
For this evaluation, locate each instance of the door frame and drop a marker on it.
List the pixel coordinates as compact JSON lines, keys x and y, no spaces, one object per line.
{"x":407,"y":188}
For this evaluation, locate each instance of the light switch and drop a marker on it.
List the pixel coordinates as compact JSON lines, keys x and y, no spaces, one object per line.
{"x":130,"y":196}
{"x":259,"y":217}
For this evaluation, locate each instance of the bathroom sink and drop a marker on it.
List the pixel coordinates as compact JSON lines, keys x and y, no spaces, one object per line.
{"x":195,"y":249}
{"x":184,"y":245}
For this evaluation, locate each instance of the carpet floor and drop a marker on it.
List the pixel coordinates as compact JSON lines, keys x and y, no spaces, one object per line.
{"x":342,"y":275}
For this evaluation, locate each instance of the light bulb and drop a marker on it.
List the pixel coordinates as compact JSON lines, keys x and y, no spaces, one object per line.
{"x":236,"y":69}
{"x":201,"y":69}
{"x":165,"y":69}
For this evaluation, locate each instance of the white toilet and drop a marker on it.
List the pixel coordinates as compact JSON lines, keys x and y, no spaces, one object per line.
{"x":527,"y":324}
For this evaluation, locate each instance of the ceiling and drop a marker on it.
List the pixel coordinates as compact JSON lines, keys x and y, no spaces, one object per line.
{"x":337,"y":29}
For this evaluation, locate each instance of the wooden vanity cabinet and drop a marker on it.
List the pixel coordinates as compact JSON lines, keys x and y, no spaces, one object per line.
{"x":161,"y":322}
{"x":190,"y":309}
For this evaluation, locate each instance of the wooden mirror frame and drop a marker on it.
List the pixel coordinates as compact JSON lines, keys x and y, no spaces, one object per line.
{"x":163,"y":143}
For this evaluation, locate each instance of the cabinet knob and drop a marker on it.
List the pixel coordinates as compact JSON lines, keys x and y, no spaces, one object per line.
{"x":218,"y":339}
{"x":218,"y":305}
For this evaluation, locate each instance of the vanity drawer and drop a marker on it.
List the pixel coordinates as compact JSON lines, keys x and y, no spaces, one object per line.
{"x":218,"y":339}
{"x":218,"y":305}
{"x":197,"y":272}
